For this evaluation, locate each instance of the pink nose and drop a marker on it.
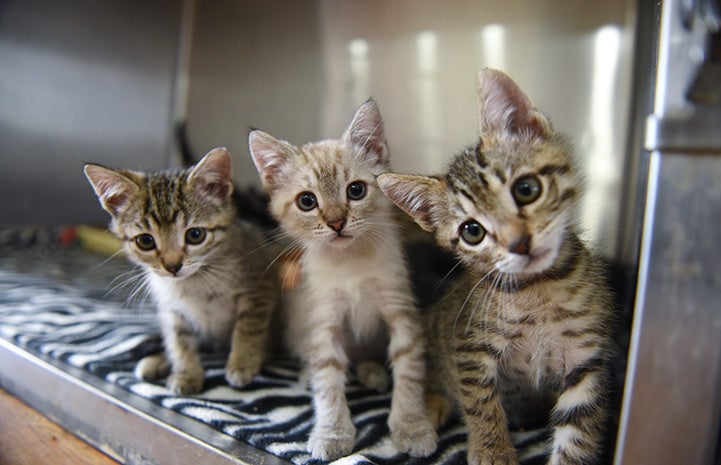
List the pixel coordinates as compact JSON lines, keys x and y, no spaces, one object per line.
{"x":521,"y":246}
{"x":173,"y":268}
{"x":336,"y":226}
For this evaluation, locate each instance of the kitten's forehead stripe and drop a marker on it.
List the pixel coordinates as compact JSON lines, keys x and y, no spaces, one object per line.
{"x":480,"y":156}
{"x":465,"y":193}
{"x":482,"y":179}
{"x":166,"y":197}
{"x":554,"y":169}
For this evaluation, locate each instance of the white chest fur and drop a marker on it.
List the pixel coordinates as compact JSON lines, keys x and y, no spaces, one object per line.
{"x":550,"y":343}
{"x":209,"y":311}
{"x":350,"y":289}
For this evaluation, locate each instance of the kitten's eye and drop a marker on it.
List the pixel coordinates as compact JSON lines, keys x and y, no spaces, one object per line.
{"x":472,"y":232}
{"x":145,"y":242}
{"x":195,"y":236}
{"x":526,"y":190}
{"x":306,"y":201}
{"x":356,"y":190}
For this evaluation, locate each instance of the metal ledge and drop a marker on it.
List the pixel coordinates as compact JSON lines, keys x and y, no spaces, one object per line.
{"x":126,"y":427}
{"x":699,"y":132}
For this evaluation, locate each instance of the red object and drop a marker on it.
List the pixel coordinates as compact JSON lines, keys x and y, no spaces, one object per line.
{"x":67,"y":236}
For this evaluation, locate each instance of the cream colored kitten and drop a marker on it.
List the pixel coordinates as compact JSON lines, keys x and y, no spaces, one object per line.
{"x":355,"y":284}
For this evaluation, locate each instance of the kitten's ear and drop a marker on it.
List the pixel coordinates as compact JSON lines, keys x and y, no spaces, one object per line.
{"x":115,"y":191}
{"x":212,"y":176}
{"x":269,"y":156}
{"x":505,"y":112}
{"x":366,"y":134}
{"x":418,"y":196}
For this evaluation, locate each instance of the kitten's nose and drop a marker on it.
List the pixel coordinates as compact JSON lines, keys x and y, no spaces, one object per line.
{"x":173,"y":268}
{"x":521,"y":246}
{"x":336,"y":226}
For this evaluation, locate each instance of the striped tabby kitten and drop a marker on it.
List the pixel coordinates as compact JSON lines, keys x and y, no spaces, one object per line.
{"x":356,"y":297}
{"x":532,"y":319}
{"x":204,"y":268}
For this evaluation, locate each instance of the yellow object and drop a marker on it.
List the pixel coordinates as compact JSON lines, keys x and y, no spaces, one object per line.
{"x":98,"y":240}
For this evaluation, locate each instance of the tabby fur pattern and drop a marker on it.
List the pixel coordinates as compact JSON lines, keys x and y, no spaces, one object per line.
{"x":206,"y":270}
{"x":530,"y":322}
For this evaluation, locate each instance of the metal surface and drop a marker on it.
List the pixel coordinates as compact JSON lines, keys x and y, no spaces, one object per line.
{"x":672,"y":401}
{"x":127,"y":428}
{"x":299,"y":70}
{"x":80,"y":81}
{"x":106,"y":81}
{"x":699,"y":132}
{"x":673,"y":387}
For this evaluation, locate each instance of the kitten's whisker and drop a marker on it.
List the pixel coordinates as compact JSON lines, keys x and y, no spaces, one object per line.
{"x":441,"y":281}
{"x":470,"y":293}
{"x":296,"y":245}
{"x":486,"y":303}
{"x":106,"y":259}
{"x":124,"y":280}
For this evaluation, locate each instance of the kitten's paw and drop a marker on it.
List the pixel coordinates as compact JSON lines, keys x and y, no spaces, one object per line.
{"x":185,"y":383}
{"x":498,"y":457}
{"x":152,"y":367}
{"x":242,"y":372}
{"x":373,"y":375}
{"x":416,"y":436}
{"x":439,"y":409}
{"x":331,"y":443}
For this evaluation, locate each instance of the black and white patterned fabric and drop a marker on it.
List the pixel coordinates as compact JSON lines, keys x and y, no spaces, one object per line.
{"x":71,"y":305}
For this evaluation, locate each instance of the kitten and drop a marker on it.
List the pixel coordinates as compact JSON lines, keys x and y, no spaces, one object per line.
{"x":533,"y":317}
{"x":355,"y":284}
{"x":205,"y":269}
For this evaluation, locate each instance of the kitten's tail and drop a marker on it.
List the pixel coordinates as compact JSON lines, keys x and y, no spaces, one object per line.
{"x":251,"y":204}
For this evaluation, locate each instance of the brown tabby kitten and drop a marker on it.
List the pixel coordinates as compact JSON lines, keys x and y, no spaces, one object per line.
{"x":532,"y":318}
{"x":205,"y":269}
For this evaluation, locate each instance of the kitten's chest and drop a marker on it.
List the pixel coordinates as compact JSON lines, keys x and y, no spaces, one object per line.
{"x":537,"y":338}
{"x":210,"y":311}
{"x":355,"y":289}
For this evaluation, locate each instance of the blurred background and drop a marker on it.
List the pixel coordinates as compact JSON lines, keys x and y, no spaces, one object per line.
{"x":107,"y":82}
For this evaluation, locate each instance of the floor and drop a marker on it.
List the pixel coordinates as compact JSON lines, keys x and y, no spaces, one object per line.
{"x":28,"y":438}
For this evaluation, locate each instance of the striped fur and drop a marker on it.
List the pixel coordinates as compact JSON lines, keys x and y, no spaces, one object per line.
{"x":531,"y":319}
{"x":354,"y":304}
{"x":213,"y":288}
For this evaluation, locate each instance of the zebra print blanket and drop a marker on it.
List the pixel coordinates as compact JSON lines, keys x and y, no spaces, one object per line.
{"x":61,"y":303}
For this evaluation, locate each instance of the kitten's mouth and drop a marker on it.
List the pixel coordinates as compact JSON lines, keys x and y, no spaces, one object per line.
{"x":539,"y":261}
{"x":340,"y":238}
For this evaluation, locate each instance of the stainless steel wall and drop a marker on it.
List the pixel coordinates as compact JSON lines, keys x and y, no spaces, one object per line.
{"x":299,"y":69}
{"x":95,"y":81}
{"x":672,"y":400}
{"x":80,"y":81}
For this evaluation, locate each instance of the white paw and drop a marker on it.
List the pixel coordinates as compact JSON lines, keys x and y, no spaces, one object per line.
{"x":416,"y":436}
{"x":241,"y":370}
{"x":240,"y":376}
{"x":185,"y":383}
{"x":373,"y":375}
{"x":331,"y":444}
{"x":503,"y":457}
{"x":152,"y":367}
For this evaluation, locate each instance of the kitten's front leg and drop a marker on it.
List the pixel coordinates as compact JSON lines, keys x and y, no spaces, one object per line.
{"x":579,"y":415}
{"x":249,"y":341}
{"x":181,"y":347}
{"x":410,"y":426}
{"x":333,"y":434}
{"x":488,"y":439}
